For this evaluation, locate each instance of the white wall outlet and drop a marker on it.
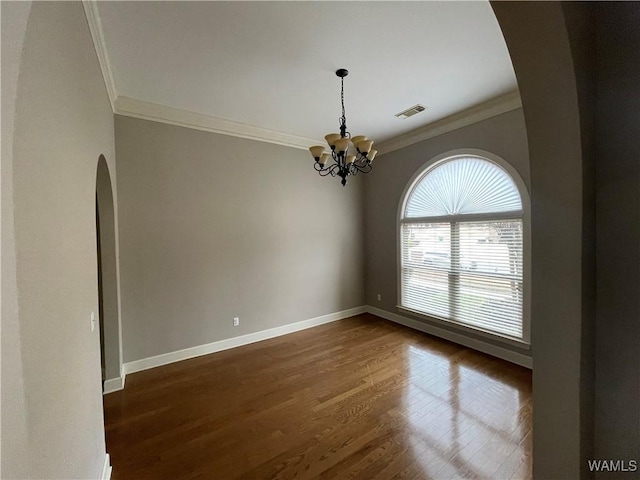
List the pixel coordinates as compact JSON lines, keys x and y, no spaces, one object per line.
{"x":93,"y":321}
{"x":236,"y":321}
{"x":379,"y":297}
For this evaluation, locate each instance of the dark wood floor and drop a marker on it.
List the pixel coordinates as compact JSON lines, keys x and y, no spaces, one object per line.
{"x":359,"y":398}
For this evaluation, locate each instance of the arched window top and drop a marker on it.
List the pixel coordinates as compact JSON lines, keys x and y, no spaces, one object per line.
{"x":461,"y":185}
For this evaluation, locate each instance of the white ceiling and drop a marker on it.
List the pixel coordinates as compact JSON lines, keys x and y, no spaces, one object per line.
{"x":271,"y":64}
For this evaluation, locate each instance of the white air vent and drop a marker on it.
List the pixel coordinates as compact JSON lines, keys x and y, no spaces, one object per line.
{"x":410,"y":112}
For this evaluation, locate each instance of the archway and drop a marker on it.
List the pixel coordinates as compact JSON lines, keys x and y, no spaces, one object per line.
{"x":110,"y":335}
{"x":539,"y":43}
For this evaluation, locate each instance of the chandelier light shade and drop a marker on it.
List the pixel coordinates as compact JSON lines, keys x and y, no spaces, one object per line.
{"x":348,"y":155}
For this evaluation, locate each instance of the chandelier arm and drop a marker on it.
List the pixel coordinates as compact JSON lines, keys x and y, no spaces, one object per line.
{"x":361,"y":161}
{"x":324,"y":171}
{"x":332,"y":170}
{"x":362,"y":169}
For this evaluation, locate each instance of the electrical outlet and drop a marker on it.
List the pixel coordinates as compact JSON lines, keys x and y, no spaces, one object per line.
{"x":379,"y":297}
{"x":93,"y":321}
{"x":236,"y":321}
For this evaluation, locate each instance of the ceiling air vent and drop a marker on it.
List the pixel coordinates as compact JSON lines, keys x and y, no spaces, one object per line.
{"x":410,"y":112}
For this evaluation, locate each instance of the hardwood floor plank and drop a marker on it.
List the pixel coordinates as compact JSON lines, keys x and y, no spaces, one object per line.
{"x":361,"y":398}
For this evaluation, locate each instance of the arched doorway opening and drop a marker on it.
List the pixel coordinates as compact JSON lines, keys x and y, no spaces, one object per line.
{"x":539,"y":41}
{"x":110,"y":332}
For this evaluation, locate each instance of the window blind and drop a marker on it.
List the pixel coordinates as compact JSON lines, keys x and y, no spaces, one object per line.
{"x":465,"y":268}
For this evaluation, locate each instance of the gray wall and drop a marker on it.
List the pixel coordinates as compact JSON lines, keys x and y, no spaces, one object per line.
{"x":582,"y":38}
{"x":63,"y":122}
{"x":617,"y":425}
{"x":504,"y":135}
{"x":605,"y":48}
{"x":14,"y":454}
{"x":213,"y":227}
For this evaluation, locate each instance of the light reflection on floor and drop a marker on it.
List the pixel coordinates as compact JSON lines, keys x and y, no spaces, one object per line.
{"x":464,"y":422}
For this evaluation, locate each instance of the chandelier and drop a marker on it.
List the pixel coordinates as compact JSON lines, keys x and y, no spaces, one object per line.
{"x":345,"y":160}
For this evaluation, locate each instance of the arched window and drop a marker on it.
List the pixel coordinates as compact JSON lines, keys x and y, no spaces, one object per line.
{"x":462,"y":246}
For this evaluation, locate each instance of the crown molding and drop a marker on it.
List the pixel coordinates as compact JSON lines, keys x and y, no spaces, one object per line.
{"x":491,"y":108}
{"x":97,"y":35}
{"x":131,"y":107}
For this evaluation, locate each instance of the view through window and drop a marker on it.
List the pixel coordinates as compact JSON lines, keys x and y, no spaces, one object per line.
{"x":462,"y":246}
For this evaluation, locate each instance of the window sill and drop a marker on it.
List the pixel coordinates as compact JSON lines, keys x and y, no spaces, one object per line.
{"x":521,"y":344}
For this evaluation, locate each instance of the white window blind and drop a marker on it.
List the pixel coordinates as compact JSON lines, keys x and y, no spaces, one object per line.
{"x":462,"y":247}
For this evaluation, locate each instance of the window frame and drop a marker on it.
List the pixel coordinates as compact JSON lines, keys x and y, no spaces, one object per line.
{"x":431,"y":164}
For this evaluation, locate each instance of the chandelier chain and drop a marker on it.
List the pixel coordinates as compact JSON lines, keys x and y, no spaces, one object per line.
{"x":343,"y":119}
{"x":342,"y":99}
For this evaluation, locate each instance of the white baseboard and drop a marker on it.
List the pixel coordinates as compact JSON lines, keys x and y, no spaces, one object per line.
{"x":113,"y":385}
{"x":106,"y":468}
{"x":171,"y":357}
{"x":503,"y":353}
